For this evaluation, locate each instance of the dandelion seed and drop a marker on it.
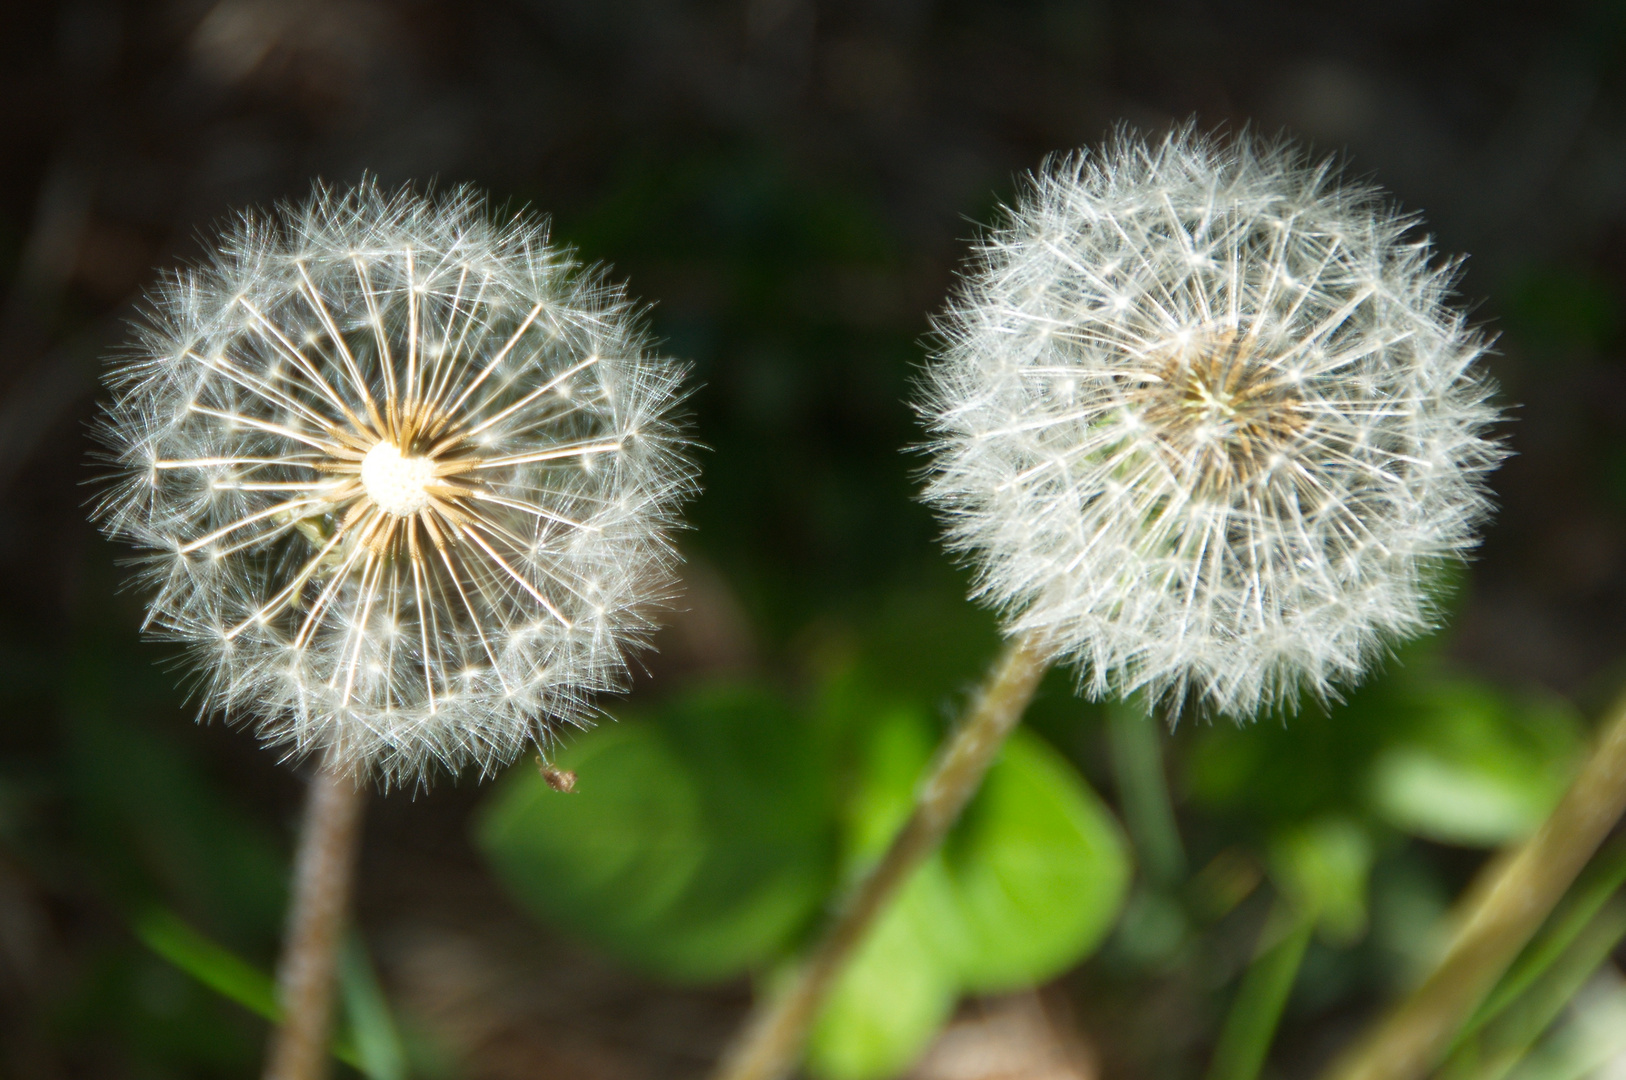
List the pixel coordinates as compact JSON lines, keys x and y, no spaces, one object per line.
{"x":361,"y":501}
{"x":1204,"y":421}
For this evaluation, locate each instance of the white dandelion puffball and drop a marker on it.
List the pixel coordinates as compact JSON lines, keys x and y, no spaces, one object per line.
{"x":1204,"y":423}
{"x":401,"y":477}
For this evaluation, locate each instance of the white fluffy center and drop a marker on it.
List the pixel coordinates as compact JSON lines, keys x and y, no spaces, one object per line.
{"x":397,"y":484}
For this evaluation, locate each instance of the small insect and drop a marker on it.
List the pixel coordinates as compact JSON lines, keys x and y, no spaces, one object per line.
{"x":561,"y":780}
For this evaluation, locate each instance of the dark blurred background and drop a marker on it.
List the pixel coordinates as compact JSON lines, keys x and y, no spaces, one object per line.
{"x":790,"y":184}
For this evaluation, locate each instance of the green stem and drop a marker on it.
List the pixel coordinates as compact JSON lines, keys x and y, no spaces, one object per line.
{"x":1503,"y":908}
{"x":771,"y":1042}
{"x":1251,"y":1024}
{"x":1137,"y":759}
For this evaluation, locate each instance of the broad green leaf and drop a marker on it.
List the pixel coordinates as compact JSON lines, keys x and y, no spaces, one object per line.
{"x":903,"y":982}
{"x":696,"y":844}
{"x":1029,"y":881}
{"x":1421,"y":748}
{"x":895,"y":755}
{"x":896,"y":993}
{"x":610,"y":859}
{"x":1039,"y":868}
{"x":1428,"y":795}
{"x":766,"y":808}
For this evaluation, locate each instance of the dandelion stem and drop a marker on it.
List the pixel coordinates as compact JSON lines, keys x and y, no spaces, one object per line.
{"x":323,"y":872}
{"x":772,"y":1039}
{"x":1506,"y":904}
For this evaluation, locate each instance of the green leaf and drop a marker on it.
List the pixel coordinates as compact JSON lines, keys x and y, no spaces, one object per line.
{"x":903,"y":982}
{"x":611,"y":858}
{"x":1596,"y":885}
{"x":1451,"y":801}
{"x":1039,"y":867}
{"x":1427,"y":751}
{"x":220,"y":969}
{"x":224,"y":972}
{"x":162,"y":830}
{"x":768,"y":815}
{"x":1136,"y":741}
{"x":1028,"y":883}
{"x":1323,"y":868}
{"x":898,"y":991}
{"x":377,"y":1040}
{"x":696,"y":845}
{"x":1480,"y":769}
{"x":1250,"y":1026}
{"x":1493,"y":1051}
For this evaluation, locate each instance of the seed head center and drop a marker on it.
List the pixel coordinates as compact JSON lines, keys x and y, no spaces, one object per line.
{"x":398,"y":484}
{"x":1220,"y":411}
{"x":1209,"y":401}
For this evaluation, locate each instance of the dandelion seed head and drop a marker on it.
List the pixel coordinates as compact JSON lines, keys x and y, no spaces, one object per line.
{"x":361,"y":502}
{"x":1204,"y":420}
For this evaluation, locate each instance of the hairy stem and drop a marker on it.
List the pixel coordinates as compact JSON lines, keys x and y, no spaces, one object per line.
{"x":1503,"y":908}
{"x":324,"y":869}
{"x":771,"y":1042}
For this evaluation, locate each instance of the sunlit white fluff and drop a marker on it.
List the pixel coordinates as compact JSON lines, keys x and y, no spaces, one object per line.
{"x":1204,"y":421}
{"x":402,"y":478}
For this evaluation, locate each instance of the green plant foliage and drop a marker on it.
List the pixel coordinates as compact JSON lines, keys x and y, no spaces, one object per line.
{"x":899,"y":989}
{"x":1421,"y":749}
{"x":1136,"y":740}
{"x":221,"y":970}
{"x":1479,"y":768}
{"x":370,"y":1045}
{"x":160,"y":827}
{"x":1250,"y":1026}
{"x":1039,"y":867}
{"x":1595,"y":888}
{"x":1493,"y":1051}
{"x":696,"y":844}
{"x":1027,"y":884}
{"x":701,"y":841}
{"x":373,"y":1032}
{"x":123,"y":814}
{"x":1323,"y":867}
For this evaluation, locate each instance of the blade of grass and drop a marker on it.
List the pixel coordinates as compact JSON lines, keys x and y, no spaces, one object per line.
{"x":1251,"y":1024}
{"x":221,"y":970}
{"x":1501,"y":1045}
{"x":372,"y":1027}
{"x":1587,"y":897}
{"x":1496,"y":917}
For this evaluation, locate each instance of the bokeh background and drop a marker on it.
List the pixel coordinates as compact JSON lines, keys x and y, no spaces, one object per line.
{"x":790,"y":185}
